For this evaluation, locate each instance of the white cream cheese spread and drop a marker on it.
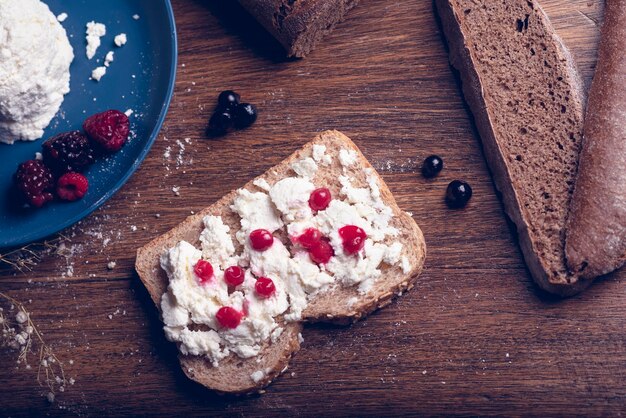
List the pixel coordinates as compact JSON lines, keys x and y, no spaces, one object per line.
{"x":35,"y":58}
{"x":190,"y":306}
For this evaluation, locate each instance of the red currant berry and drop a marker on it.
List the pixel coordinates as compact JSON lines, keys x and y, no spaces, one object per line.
{"x":204,"y":271}
{"x":320,"y":199}
{"x":261,"y":239}
{"x":265,"y":287}
{"x":229,"y":317}
{"x":309,"y":238}
{"x":234,"y":275}
{"x":353,"y":238}
{"x":322,"y":252}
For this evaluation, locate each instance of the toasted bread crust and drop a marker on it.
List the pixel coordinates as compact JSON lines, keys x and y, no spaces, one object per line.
{"x":275,"y":357}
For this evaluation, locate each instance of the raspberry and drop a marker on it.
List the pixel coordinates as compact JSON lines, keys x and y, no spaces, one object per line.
{"x":72,"y":186}
{"x":35,"y":182}
{"x":69,"y":151}
{"x":109,"y":130}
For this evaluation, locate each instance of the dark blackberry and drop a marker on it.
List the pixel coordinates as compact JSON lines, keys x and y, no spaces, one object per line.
{"x":69,"y":151}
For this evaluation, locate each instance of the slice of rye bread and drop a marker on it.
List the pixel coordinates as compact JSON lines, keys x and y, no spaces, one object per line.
{"x":298,"y":24}
{"x":526,"y":97}
{"x":338,"y":305}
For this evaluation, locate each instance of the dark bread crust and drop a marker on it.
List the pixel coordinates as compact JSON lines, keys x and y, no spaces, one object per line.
{"x":596,"y":237}
{"x":475,"y":83}
{"x":298,"y":24}
{"x":233,"y":374}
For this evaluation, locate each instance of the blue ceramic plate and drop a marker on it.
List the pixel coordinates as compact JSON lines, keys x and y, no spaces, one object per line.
{"x":140,"y":78}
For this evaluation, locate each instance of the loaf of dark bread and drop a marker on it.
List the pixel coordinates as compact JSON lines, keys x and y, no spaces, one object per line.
{"x":596,"y":236}
{"x":527,"y":102}
{"x":298,"y":24}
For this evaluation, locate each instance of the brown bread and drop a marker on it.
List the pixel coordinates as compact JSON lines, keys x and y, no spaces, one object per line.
{"x":526,"y":98}
{"x":596,"y":236}
{"x":340,"y":304}
{"x":298,"y":24}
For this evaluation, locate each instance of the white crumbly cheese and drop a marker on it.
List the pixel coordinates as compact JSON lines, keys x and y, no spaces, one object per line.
{"x":120,"y":40}
{"x":98,"y":73}
{"x":256,"y":211}
{"x":291,"y":197}
{"x":94,"y":32}
{"x":136,"y":16}
{"x":108,"y":59}
{"x":306,"y":167}
{"x":217,"y":244}
{"x":257,"y":376}
{"x":296,"y":277}
{"x":61,"y":17}
{"x":35,"y":58}
{"x":129,"y":112}
{"x":347,"y":158}
{"x":320,"y":156}
{"x":261,"y":183}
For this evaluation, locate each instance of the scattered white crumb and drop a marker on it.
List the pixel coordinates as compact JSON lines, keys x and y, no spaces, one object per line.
{"x":120,"y":40}
{"x":293,"y":374}
{"x":111,"y":265}
{"x":133,"y":228}
{"x":110,"y":316}
{"x":109,"y":58}
{"x":71,"y":361}
{"x":21,"y":317}
{"x":98,"y":73}
{"x":507,"y":355}
{"x":94,"y":32}
{"x":157,"y":215}
{"x":38,"y":156}
{"x":129,"y":112}
{"x":50,"y":397}
{"x":424,"y":372}
{"x":61,"y":18}
{"x":300,"y":338}
{"x":72,"y":381}
{"x":136,"y":17}
{"x":176,"y":190}
{"x":257,"y":376}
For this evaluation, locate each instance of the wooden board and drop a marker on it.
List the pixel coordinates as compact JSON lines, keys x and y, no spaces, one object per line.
{"x":474,"y":337}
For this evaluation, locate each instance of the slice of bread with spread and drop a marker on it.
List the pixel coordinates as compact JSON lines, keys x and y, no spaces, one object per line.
{"x":319,"y":237}
{"x":526,"y":97}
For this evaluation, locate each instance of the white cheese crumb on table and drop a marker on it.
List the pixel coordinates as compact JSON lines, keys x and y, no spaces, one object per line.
{"x":61,"y":18}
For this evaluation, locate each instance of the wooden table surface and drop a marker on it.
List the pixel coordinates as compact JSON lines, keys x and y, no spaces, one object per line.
{"x":475,"y":336}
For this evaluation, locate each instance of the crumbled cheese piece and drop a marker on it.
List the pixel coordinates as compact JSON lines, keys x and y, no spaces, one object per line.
{"x":120,"y":40}
{"x":98,"y":73}
{"x":176,"y":190}
{"x":347,"y":157}
{"x":300,"y":338}
{"x":257,"y":376}
{"x":261,"y":183}
{"x":129,"y":112}
{"x":111,"y":265}
{"x":108,"y":59}
{"x":61,"y":17}
{"x":38,"y":156}
{"x":305,"y":168}
{"x":94,"y":32}
{"x":320,"y":156}
{"x":136,"y":17}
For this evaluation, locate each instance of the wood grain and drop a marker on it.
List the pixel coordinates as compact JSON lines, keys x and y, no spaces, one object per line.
{"x":475,"y":337}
